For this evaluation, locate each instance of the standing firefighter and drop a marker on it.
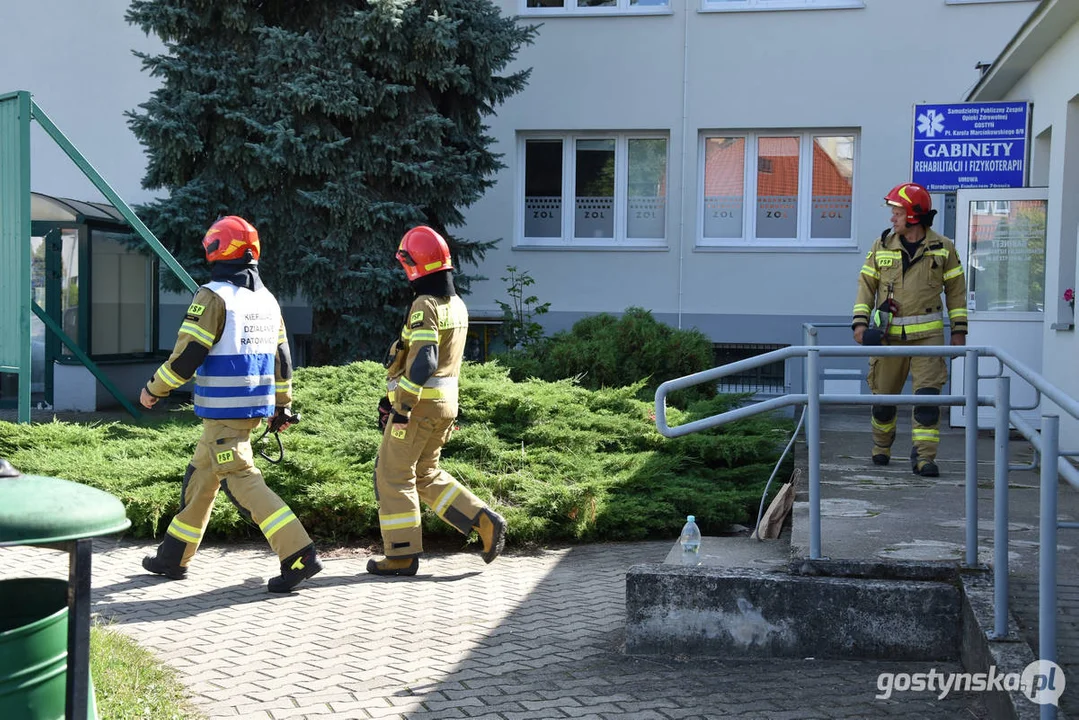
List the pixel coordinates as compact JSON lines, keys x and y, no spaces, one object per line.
{"x":233,"y":341}
{"x":898,"y":303}
{"x":418,"y":414}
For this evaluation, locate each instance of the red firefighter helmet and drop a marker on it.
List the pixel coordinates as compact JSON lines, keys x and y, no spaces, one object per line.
{"x":422,"y":252}
{"x":913,"y":198}
{"x":230,"y":238}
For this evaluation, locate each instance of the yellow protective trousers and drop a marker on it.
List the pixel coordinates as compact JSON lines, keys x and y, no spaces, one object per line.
{"x":887,"y":375}
{"x":407,"y":471}
{"x":224,"y":461}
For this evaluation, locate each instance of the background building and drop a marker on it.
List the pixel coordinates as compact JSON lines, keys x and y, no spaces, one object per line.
{"x":1038,"y":65}
{"x":720,"y":163}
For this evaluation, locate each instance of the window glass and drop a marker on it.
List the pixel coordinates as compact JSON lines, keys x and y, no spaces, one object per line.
{"x":121,"y":303}
{"x":795,"y":189}
{"x":543,"y":188}
{"x":69,"y":286}
{"x":647,"y":188}
{"x":595,"y":191}
{"x":777,"y":187}
{"x":594,"y":188}
{"x":591,"y":7}
{"x":833,"y":187}
{"x":724,"y":186}
{"x":1007,"y":257}
{"x":37,"y":328}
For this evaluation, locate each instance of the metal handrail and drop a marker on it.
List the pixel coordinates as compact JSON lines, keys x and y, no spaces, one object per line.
{"x":1055,"y":463}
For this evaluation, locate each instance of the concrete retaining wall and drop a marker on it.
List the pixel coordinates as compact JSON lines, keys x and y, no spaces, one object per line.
{"x":740,"y":612}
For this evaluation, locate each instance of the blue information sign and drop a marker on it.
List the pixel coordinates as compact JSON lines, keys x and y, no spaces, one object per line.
{"x":970,"y":145}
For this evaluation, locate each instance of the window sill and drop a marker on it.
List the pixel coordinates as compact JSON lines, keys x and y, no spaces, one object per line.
{"x":775,"y":247}
{"x":979,"y":2}
{"x":1062,"y":326}
{"x":594,"y":248}
{"x":707,"y":7}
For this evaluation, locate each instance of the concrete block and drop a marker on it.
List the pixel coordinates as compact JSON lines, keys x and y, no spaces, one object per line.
{"x":981,"y":652}
{"x":744,"y":612}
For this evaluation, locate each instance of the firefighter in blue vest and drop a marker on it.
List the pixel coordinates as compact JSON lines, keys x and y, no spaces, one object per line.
{"x":232,"y":340}
{"x":418,"y":413}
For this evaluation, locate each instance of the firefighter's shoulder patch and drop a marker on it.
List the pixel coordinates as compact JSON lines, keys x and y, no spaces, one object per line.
{"x":415,"y":320}
{"x":196,"y":309}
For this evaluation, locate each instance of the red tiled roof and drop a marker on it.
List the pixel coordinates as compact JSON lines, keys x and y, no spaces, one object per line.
{"x":777,"y":169}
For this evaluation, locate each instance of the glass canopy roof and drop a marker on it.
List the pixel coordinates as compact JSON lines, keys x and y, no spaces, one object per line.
{"x":47,"y":207}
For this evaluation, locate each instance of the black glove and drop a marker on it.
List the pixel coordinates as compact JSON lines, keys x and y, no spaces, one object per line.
{"x":872,"y":336}
{"x":385,"y":409}
{"x":282,"y":418}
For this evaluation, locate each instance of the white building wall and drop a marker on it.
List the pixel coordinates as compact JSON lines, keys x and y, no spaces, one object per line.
{"x":76,"y":59}
{"x":851,"y":68}
{"x":1053,"y":87}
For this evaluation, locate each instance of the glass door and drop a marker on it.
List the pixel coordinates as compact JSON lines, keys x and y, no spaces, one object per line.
{"x":1000,"y":237}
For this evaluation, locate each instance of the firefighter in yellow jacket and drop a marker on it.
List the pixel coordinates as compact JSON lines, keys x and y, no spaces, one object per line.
{"x":899,"y":303}
{"x":233,"y":342}
{"x":418,"y":415}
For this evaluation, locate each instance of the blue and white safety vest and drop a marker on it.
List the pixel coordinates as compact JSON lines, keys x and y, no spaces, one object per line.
{"x":237,"y":378}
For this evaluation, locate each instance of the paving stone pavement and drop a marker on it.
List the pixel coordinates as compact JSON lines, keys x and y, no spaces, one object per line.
{"x":534,"y":635}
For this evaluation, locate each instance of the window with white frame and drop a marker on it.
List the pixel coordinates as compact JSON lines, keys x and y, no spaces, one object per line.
{"x":740,"y":5}
{"x":778,"y":188}
{"x":593,"y":189}
{"x":593,"y":7}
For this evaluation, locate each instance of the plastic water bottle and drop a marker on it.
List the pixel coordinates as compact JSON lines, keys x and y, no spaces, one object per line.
{"x":690,"y":540}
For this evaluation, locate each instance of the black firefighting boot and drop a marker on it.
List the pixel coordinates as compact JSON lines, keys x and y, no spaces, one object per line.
{"x":491,"y":527}
{"x":296,"y":568}
{"x":881,"y":455}
{"x":925,"y":468}
{"x":167,"y":560}
{"x":393,"y":566}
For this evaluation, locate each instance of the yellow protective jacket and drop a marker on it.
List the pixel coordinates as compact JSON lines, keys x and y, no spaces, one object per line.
{"x":438,"y":321}
{"x":915,"y":283}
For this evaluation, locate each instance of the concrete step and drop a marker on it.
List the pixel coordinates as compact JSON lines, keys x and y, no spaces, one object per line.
{"x":737,"y":551}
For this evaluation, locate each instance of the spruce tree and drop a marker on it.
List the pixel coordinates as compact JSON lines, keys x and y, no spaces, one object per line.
{"x":333,"y":126}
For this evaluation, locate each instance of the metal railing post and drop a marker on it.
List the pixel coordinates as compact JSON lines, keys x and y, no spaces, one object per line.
{"x":811,"y":340}
{"x":970,"y":388}
{"x":813,"y":441}
{"x":1047,"y":549}
{"x":1000,"y":507}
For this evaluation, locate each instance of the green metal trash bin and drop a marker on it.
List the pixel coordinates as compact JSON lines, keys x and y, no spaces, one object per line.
{"x":33,"y":647}
{"x":45,"y":622}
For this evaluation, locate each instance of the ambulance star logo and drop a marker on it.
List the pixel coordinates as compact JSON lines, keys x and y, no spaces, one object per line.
{"x":930,"y":123}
